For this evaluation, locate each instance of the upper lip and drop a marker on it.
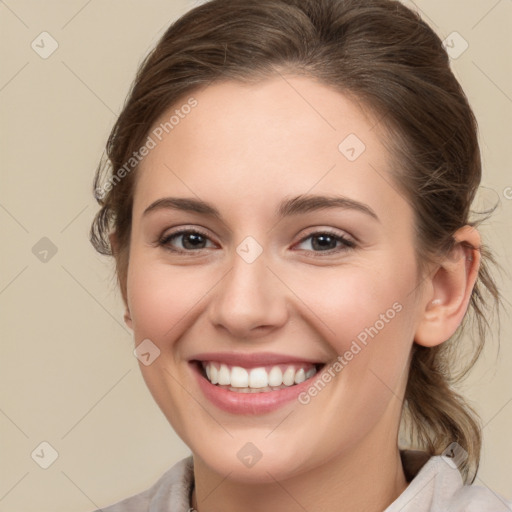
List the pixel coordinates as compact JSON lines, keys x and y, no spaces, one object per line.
{"x":253,"y":360}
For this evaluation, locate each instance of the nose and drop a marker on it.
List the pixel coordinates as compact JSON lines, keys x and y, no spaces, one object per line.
{"x":250,"y":300}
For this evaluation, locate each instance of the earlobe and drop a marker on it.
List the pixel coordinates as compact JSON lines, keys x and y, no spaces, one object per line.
{"x":451,"y":287}
{"x":128,"y":318}
{"x":114,"y":246}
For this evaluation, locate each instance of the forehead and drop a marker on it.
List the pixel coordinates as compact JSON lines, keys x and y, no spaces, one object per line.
{"x":286,"y":135}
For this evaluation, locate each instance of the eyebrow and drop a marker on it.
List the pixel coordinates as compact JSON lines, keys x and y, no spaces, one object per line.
{"x":295,"y":206}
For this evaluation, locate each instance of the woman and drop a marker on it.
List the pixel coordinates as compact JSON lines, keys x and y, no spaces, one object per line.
{"x":287,"y":199}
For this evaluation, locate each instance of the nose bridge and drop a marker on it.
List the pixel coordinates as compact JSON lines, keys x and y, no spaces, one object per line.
{"x":249,"y":296}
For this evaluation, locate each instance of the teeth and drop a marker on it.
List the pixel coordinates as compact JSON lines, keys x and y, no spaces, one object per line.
{"x":309,"y":373}
{"x":275,"y":376}
{"x":289,"y":376}
{"x":300,"y":376}
{"x":224,"y":375}
{"x":214,"y":374}
{"x":258,"y":379}
{"x":239,"y":377}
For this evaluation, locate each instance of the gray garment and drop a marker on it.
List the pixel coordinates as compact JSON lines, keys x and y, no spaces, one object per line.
{"x":436,"y":486}
{"x":171,"y":493}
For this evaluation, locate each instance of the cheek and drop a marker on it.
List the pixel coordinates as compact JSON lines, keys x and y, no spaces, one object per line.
{"x":160,"y":296}
{"x":352,"y":300}
{"x":165,"y":299}
{"x":368,"y":318}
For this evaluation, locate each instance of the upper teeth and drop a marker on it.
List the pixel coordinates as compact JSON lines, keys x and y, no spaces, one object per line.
{"x":260,"y":377}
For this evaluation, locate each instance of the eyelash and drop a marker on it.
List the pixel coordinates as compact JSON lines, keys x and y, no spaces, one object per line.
{"x":347,"y":244}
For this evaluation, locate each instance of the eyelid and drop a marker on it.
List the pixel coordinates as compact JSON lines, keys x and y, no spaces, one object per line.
{"x":164,"y":239}
{"x":347,"y":242}
{"x":320,"y":230}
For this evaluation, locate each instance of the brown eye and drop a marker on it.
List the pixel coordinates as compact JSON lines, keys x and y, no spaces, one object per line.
{"x":188,"y":240}
{"x":327,"y":242}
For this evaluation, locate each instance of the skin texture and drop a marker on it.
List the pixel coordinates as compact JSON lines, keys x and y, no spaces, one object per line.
{"x":244,"y":149}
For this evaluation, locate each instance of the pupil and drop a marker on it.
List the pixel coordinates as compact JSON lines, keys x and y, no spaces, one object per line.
{"x":323,"y":242}
{"x":195,"y":240}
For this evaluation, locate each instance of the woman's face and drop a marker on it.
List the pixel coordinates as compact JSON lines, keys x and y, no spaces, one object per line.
{"x":277,"y":278}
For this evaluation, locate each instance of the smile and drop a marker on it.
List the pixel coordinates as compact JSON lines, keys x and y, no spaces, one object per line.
{"x":259,"y":379}
{"x":252,"y":384}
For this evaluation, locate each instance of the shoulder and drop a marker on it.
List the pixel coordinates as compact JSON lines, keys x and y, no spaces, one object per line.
{"x":170,"y":492}
{"x":437,"y":486}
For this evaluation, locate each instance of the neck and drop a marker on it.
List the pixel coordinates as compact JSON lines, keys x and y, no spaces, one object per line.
{"x":368,"y":478}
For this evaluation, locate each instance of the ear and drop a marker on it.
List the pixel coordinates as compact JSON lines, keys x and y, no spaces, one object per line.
{"x":450,"y":290}
{"x":128,"y":318}
{"x":114,"y":245}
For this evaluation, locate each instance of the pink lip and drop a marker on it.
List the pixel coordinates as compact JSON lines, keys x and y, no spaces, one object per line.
{"x":248,"y":403}
{"x":250,"y":360}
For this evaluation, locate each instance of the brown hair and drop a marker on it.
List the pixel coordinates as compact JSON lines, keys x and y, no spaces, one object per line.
{"x":381,"y":54}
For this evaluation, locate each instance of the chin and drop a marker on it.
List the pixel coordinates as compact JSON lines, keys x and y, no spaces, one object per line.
{"x":247,"y":465}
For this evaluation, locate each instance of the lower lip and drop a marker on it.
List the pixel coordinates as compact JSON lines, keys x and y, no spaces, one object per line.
{"x":249,"y":403}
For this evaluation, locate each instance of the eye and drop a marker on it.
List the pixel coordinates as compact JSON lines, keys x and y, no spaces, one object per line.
{"x":193,"y":240}
{"x":327,"y":241}
{"x":189,"y":239}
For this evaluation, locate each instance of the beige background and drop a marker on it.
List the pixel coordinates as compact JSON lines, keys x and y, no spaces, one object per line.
{"x":68,"y":374}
